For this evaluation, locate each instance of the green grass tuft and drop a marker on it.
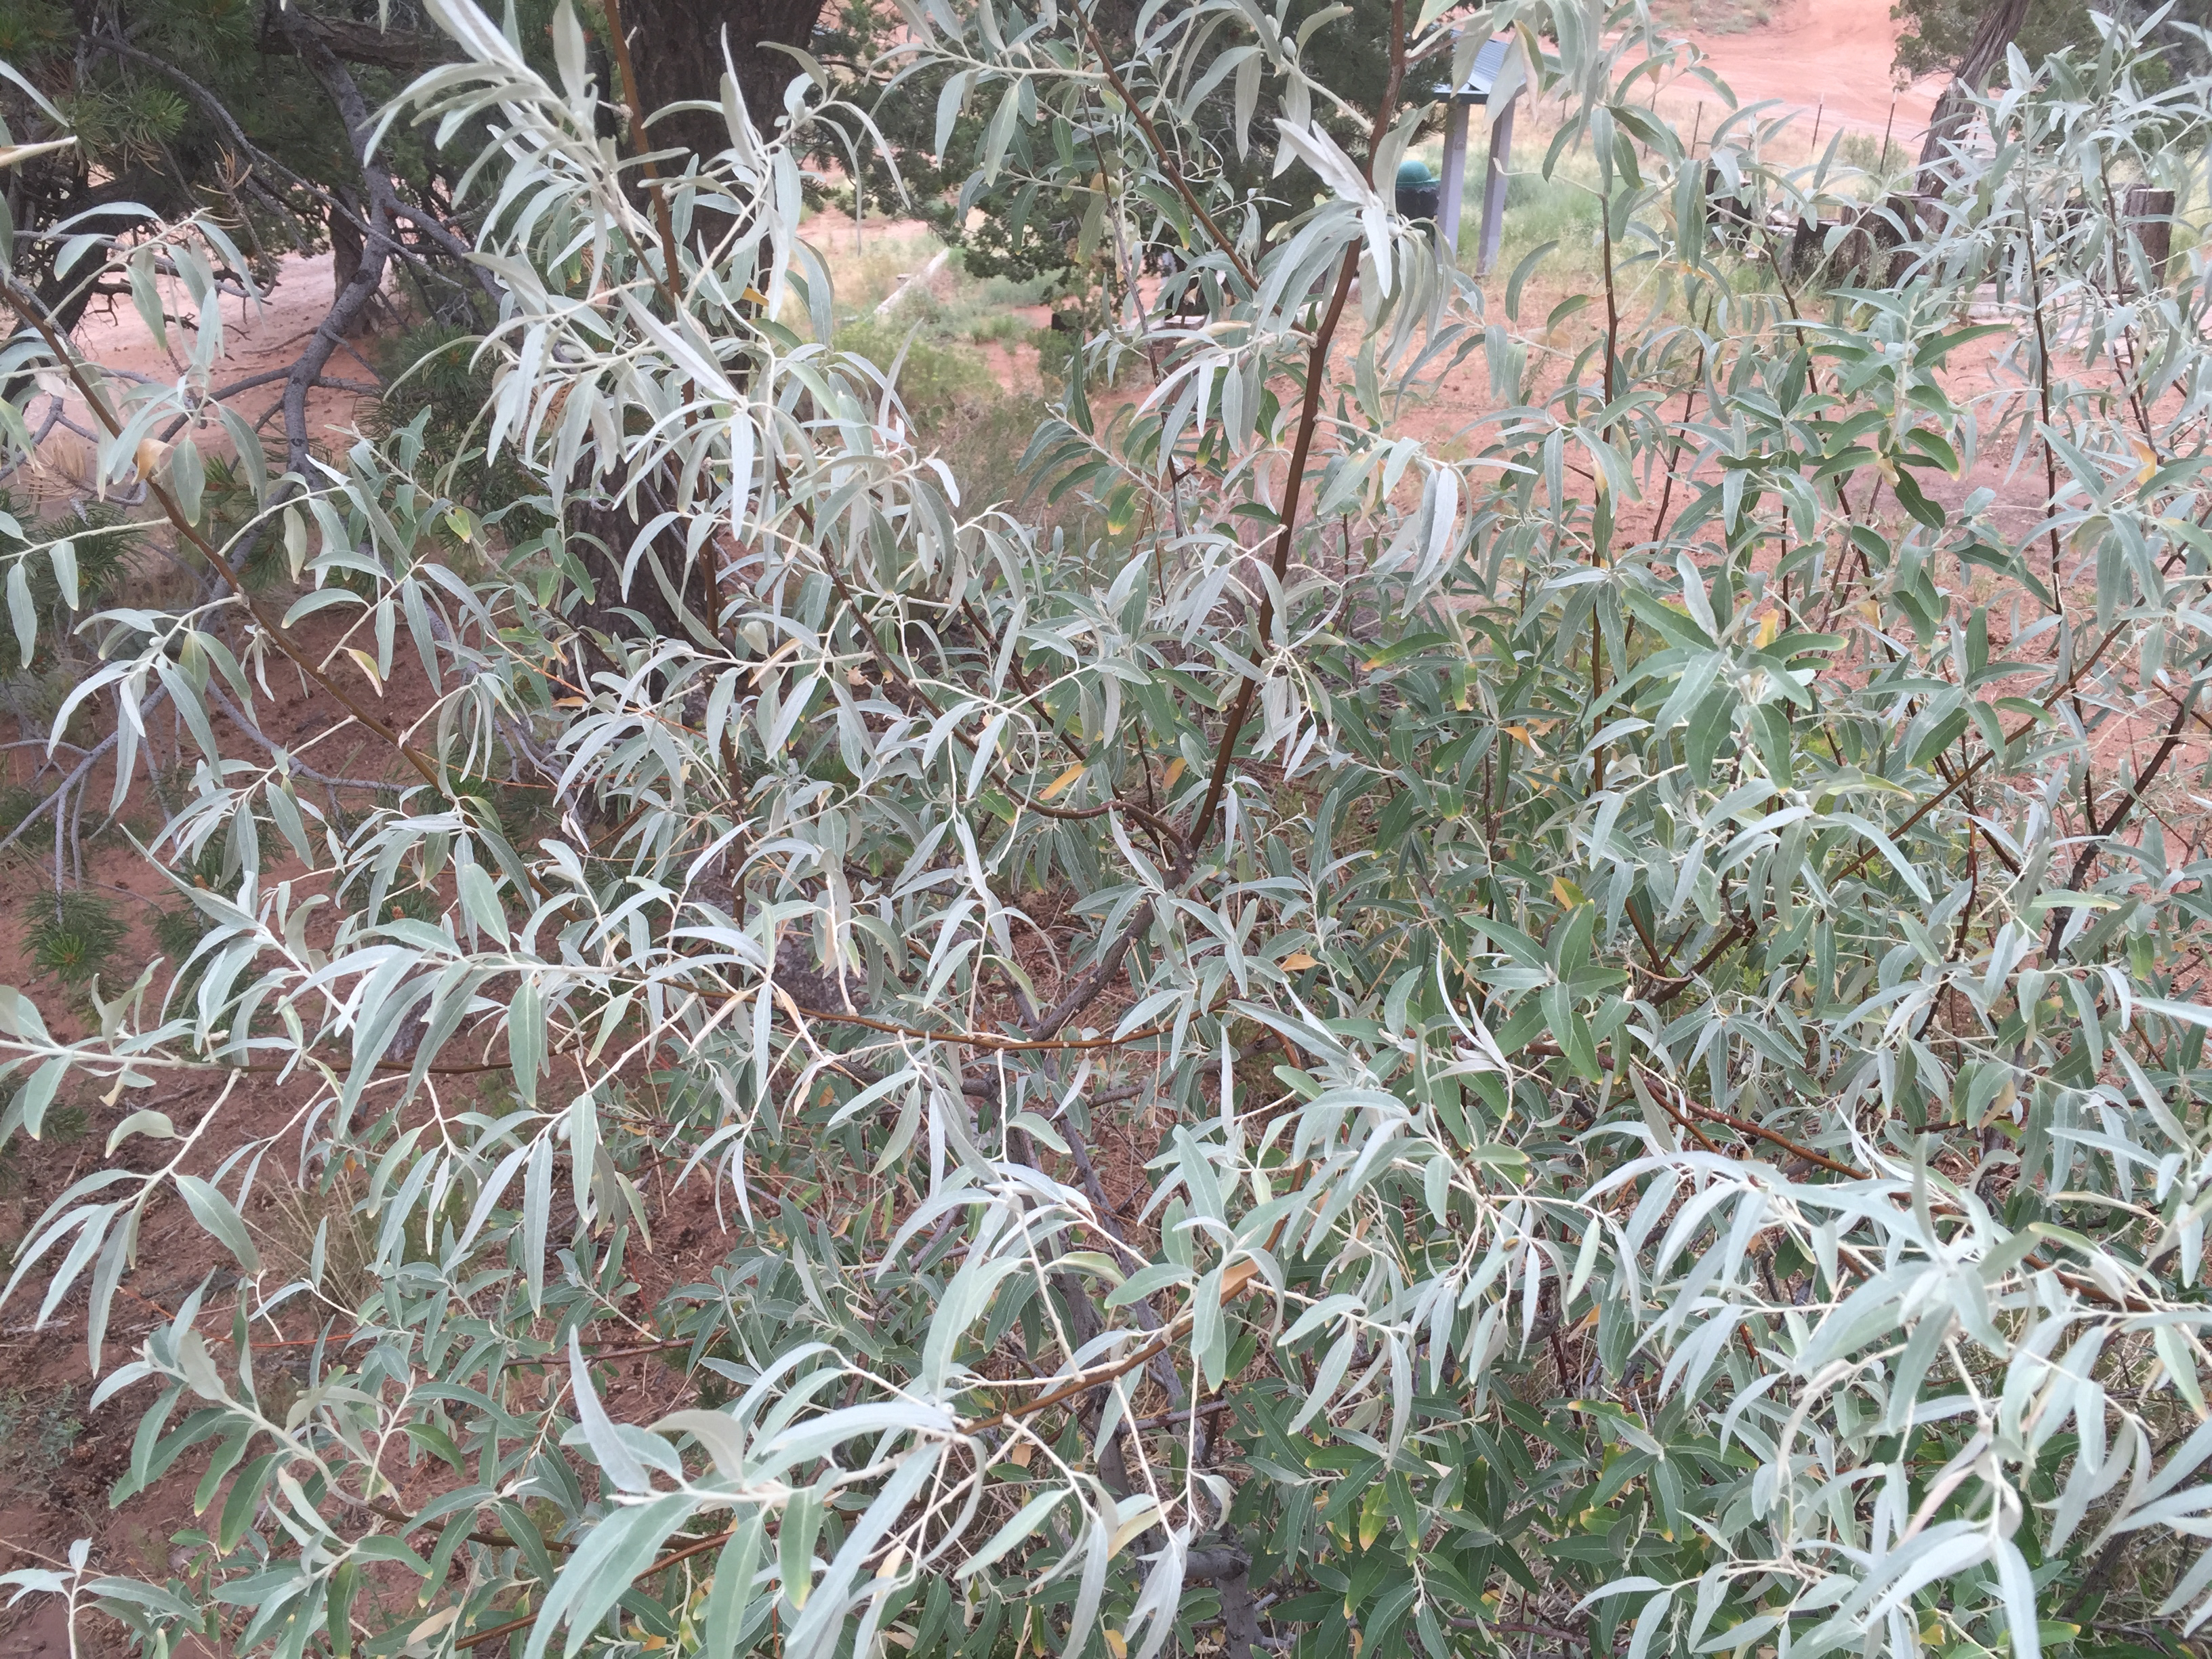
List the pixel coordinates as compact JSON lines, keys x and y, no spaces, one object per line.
{"x":72,"y":938}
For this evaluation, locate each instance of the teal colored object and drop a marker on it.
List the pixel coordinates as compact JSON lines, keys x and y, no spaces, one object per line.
{"x":1418,"y":196}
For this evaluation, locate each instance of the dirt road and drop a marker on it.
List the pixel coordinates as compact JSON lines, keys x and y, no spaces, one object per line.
{"x":1829,"y":59}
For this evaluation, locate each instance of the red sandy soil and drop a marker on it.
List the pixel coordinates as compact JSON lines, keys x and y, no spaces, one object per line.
{"x":40,"y":1514}
{"x":259,"y":335}
{"x":1831,"y":56}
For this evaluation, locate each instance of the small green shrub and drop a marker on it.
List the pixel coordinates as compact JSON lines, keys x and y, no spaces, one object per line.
{"x":1877,"y":158}
{"x":1561,"y":209}
{"x":178,"y":932}
{"x":984,"y":444}
{"x":1007,"y":293}
{"x":18,"y":802}
{"x":1678,"y":1184}
{"x":1003,"y":325}
{"x":1055,"y":351}
{"x":410,"y":904}
{"x":72,"y":936}
{"x":231,"y":505}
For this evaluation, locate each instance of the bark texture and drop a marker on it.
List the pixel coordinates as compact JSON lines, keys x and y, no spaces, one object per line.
{"x":1985,"y":49}
{"x":403,"y":50}
{"x":679,"y":49}
{"x":350,"y":304}
{"x":677,"y":46}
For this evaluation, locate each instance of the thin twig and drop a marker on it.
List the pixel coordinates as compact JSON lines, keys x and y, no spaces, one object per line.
{"x":28,"y":306}
{"x":1309,"y":420}
{"x":991,"y":1040}
{"x":92,"y":757}
{"x":1167,"y":161}
{"x":431,"y":227}
{"x":292,"y":760}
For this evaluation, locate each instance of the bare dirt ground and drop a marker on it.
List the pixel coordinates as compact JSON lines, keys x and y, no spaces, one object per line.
{"x":1829,"y":56}
{"x":259,"y":335}
{"x":57,"y":1460}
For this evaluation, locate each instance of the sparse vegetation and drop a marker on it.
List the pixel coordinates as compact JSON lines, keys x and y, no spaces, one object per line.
{"x":1714,"y":17}
{"x":1882,"y":160}
{"x":95,"y":541}
{"x":177,"y":933}
{"x":37,"y":1434}
{"x":438,"y":385}
{"x":936,"y":374}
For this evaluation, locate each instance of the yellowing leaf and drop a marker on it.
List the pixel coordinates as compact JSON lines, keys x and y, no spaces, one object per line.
{"x":2148,"y":457}
{"x":1174,"y":771}
{"x":2002,"y":1106}
{"x":1566,"y":892}
{"x":1768,"y":626}
{"x":1298,"y":959}
{"x":1064,"y":780}
{"x":1371,"y":1516}
{"x":1115,"y":1644}
{"x":754,"y":295}
{"x":1520,"y":732}
{"x":1023,"y":1451}
{"x":367,"y":665}
{"x":1142,"y":1522}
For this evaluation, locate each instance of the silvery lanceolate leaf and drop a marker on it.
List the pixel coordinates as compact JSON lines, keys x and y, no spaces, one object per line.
{"x":619,"y":1462}
{"x":592,"y":1579}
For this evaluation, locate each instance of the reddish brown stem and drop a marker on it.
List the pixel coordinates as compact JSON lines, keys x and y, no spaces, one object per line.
{"x":1166,"y":157}
{"x":1302,"y":447}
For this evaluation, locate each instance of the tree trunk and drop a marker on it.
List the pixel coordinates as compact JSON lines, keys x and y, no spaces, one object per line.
{"x":346,"y":248}
{"x":680,"y":49}
{"x":1991,"y":36}
{"x":679,"y":44}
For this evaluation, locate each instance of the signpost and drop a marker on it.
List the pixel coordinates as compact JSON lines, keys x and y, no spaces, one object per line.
{"x":1496,"y":70}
